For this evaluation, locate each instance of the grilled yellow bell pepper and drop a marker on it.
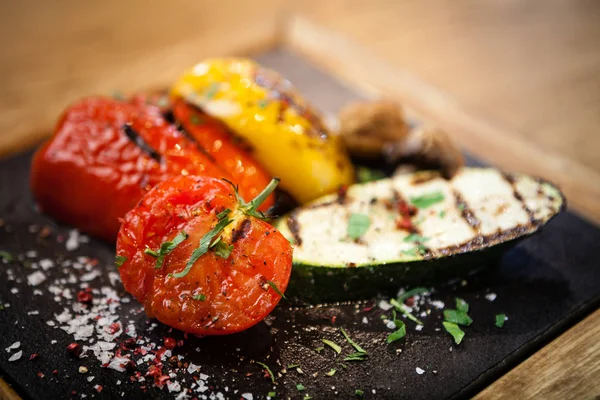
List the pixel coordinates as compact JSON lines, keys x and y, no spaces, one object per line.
{"x":286,"y":136}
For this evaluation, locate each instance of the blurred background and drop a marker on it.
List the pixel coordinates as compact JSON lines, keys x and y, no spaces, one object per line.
{"x":516,"y":82}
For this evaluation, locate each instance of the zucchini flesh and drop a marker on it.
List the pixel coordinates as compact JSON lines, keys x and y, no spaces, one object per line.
{"x":479,"y":210}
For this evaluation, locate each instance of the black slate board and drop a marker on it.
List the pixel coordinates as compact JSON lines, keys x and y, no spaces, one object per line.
{"x":544,"y":285}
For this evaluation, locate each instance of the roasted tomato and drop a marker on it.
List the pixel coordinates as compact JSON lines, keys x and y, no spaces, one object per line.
{"x":200,"y":259}
{"x":214,"y":137}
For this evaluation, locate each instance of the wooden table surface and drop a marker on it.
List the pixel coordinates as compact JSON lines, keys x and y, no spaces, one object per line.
{"x":515,"y":82}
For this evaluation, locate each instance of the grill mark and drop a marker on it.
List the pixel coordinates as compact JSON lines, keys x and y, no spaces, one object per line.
{"x":426,"y":252}
{"x":424,"y":177}
{"x":511,"y":181}
{"x":136,"y":139}
{"x":242,"y":232}
{"x":294,"y":227}
{"x":466,"y":212}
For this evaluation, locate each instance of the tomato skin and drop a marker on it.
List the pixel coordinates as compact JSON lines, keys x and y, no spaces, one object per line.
{"x":218,"y":142}
{"x":236,"y":289}
{"x":89,"y":174}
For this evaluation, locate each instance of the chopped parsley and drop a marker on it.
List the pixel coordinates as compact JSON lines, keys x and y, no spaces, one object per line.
{"x":222,"y":249}
{"x":307,"y":397}
{"x":405,"y":310}
{"x":6,"y":256}
{"x":461,"y":207}
{"x":400,"y":331}
{"x":443,"y":214}
{"x":166,"y":248}
{"x":263,"y":103}
{"x":212,"y":90}
{"x":455,"y":331}
{"x":266,"y":367}
{"x":276,"y":289}
{"x":119,"y":260}
{"x":352,"y":342}
{"x":300,"y":387}
{"x":359,"y":393}
{"x":271,"y":394}
{"x":333,"y":345}
{"x":1,"y":307}
{"x":199,"y":297}
{"x":320,"y":349}
{"x":204,"y":246}
{"x":427,"y":200}
{"x":500,"y":319}
{"x":462,"y":305}
{"x":293,"y":366}
{"x":358,"y":224}
{"x":415,"y":238}
{"x":358,"y":356}
{"x":331,"y":372}
{"x":364,"y":175}
{"x":458,"y":317}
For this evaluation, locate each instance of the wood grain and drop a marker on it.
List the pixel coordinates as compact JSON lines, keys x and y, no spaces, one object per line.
{"x":567,"y":368}
{"x":56,"y":52}
{"x":7,"y":392}
{"x":490,"y":140}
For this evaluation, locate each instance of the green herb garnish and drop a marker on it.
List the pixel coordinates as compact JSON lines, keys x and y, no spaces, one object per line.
{"x":404,"y":310}
{"x":262,"y":103}
{"x":307,"y":397}
{"x":212,"y":91}
{"x":271,"y":394}
{"x":223,"y":214}
{"x":293,"y":366}
{"x":331,"y":372}
{"x":358,"y":356}
{"x":358,"y":224}
{"x":458,"y":317}
{"x":333,"y":345}
{"x":300,"y":387}
{"x":455,"y":331}
{"x":276,"y":289}
{"x":400,"y":331}
{"x":427,"y":200}
{"x":200,"y":297}
{"x":222,"y":249}
{"x":364,"y":175}
{"x":150,"y":252}
{"x":415,"y":238}
{"x":266,"y":367}
{"x":461,"y":207}
{"x":203,"y":246}
{"x":166,"y":248}
{"x":443,"y":214}
{"x":462,"y":305}
{"x":119,"y":260}
{"x":319,"y":349}
{"x":500,"y":319}
{"x":359,"y":393}
{"x":6,"y":256}
{"x":352,"y":342}
{"x":1,"y":307}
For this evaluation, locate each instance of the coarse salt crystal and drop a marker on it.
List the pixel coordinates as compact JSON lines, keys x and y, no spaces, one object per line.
{"x":390,"y":325}
{"x":31,"y":254}
{"x":491,"y":296}
{"x":33,"y":312}
{"x":173,"y":386}
{"x":384,"y":305}
{"x":193,"y":368}
{"x":365,"y":320}
{"x":72,"y":242}
{"x":90,"y":378}
{"x":89,"y":276}
{"x":16,"y":356}
{"x":419,"y":327}
{"x":438,"y":304}
{"x":46,"y":264}
{"x":13,"y":346}
{"x":247,"y":396}
{"x":14,"y":290}
{"x":420,"y":371}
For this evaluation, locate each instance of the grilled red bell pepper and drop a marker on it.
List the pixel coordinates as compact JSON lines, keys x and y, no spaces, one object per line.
{"x":214,"y":137}
{"x":104,"y":156}
{"x":200,"y":259}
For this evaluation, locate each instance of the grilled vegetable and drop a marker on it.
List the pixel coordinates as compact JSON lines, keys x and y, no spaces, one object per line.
{"x":415,"y":227}
{"x":104,"y":155}
{"x":214,"y":138}
{"x":286,"y":136}
{"x":200,"y":260}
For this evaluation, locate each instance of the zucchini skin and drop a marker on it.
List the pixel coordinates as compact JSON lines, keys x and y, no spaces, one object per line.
{"x":321,"y":284}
